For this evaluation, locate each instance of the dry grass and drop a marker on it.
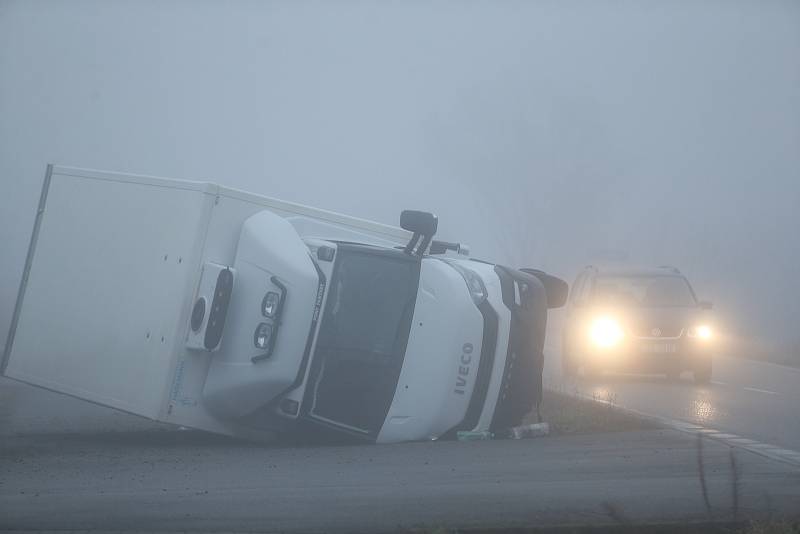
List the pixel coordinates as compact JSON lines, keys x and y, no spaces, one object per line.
{"x":568,"y":414}
{"x":771,"y":527}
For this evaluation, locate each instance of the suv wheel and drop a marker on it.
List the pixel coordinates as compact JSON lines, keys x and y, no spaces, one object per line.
{"x":702,"y":373}
{"x":568,"y":364}
{"x":673,"y":373}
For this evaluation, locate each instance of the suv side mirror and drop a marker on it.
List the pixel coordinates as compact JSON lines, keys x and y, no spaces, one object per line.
{"x":705,"y":305}
{"x":555,"y":288}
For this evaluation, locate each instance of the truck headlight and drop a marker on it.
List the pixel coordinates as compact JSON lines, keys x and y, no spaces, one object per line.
{"x":701,"y":331}
{"x":263,"y":336}
{"x":270,"y":304}
{"x":475,"y":285}
{"x":606,"y":332}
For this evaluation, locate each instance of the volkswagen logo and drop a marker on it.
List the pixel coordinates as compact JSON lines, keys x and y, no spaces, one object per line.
{"x":656,"y":332}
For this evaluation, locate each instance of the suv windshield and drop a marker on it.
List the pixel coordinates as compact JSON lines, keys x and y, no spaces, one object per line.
{"x":645,"y":291}
{"x":363,"y":336}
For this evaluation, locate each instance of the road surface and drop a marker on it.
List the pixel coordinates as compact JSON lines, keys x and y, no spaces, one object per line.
{"x":67,"y":464}
{"x":167,"y":480}
{"x":752,"y":399}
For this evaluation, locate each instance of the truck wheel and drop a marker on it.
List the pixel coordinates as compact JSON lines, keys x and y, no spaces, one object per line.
{"x":673,"y":373}
{"x":702,"y":373}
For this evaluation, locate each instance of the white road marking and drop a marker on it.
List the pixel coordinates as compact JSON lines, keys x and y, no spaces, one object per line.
{"x":768,"y":392}
{"x":718,"y":383}
{"x":766,"y":450}
{"x":742,"y":441}
{"x":763,"y":449}
{"x":784,"y":368}
{"x":688,"y":426}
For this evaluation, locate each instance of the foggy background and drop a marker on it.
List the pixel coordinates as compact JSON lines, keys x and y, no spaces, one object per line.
{"x":543,"y":134}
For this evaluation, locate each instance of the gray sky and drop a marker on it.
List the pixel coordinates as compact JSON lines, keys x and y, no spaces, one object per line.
{"x":542,"y":133}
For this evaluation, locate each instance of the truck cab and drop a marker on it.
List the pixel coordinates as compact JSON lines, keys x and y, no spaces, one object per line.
{"x":396,"y":343}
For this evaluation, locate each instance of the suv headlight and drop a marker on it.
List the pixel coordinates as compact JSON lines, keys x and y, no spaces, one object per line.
{"x":606,"y":332}
{"x":475,"y":285}
{"x":270,"y":304}
{"x":701,"y":331}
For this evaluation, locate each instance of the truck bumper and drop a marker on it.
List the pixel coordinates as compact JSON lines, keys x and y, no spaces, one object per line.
{"x":521,"y":387}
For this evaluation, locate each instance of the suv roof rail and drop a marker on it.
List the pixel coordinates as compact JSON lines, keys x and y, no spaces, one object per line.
{"x":670,"y":268}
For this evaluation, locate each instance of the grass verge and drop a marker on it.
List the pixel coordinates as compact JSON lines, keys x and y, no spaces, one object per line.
{"x":771,"y":527}
{"x":568,"y":414}
{"x":766,"y":527}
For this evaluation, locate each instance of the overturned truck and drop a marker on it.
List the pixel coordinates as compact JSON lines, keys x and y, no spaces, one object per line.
{"x":216,"y":309}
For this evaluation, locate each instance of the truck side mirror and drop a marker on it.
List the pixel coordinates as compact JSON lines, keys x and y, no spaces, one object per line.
{"x":555,"y":288}
{"x":419,"y":222}
{"x":705,"y":305}
{"x":422,"y":224}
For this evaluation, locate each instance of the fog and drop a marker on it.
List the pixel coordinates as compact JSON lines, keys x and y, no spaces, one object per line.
{"x":545,"y":134}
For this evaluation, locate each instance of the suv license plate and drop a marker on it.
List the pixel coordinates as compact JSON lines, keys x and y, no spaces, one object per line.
{"x":660,"y":348}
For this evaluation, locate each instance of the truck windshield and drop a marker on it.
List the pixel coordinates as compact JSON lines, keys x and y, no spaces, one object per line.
{"x":363,"y":336}
{"x":644,"y":291}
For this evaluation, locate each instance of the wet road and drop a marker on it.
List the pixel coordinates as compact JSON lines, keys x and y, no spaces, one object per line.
{"x":67,"y":464}
{"x":752,"y":399}
{"x":166,"y":480}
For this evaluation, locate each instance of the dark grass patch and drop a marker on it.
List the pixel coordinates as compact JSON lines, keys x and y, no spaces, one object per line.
{"x":771,"y":527}
{"x":652,"y":528}
{"x":568,"y":414}
{"x":753,"y":527}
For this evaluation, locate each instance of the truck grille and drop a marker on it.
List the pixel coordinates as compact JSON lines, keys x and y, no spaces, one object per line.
{"x":521,"y":387}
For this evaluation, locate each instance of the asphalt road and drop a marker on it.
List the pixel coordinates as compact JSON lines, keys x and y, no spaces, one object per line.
{"x":167,"y":480}
{"x":752,"y":399}
{"x":68,"y":464}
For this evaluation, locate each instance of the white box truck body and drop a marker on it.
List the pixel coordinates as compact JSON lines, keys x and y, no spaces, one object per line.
{"x":212,"y":308}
